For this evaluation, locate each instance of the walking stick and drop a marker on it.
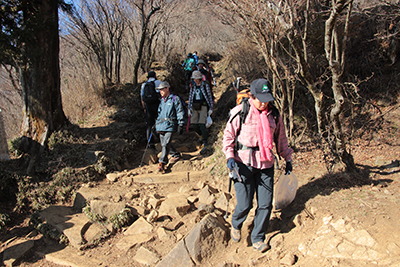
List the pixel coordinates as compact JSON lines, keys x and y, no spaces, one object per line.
{"x":147,"y":146}
{"x":187,"y":126}
{"x":229,"y":194}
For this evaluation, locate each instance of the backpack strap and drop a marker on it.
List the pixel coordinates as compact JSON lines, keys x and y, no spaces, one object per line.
{"x":242,"y":115}
{"x":275,"y":113}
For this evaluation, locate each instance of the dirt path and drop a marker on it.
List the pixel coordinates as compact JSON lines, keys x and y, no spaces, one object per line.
{"x":332,"y":222}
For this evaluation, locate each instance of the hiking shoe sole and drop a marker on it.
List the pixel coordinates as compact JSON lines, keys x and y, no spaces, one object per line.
{"x":235,"y":235}
{"x":174,"y":160}
{"x":261,"y":246}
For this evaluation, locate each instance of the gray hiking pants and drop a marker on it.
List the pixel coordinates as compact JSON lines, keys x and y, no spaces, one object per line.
{"x":256,"y":181}
{"x":166,"y":147}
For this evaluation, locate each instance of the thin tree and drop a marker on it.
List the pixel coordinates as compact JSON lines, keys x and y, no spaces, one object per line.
{"x":145,"y":10}
{"x":335,"y":47}
{"x":281,"y":31}
{"x":100,"y":25}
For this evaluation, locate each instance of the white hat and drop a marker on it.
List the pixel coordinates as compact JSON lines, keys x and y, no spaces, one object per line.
{"x":197,"y":75}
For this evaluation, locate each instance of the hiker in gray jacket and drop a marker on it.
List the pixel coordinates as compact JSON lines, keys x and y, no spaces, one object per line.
{"x":170,"y":120}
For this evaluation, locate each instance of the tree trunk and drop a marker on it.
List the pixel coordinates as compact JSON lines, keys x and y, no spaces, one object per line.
{"x":40,"y":76}
{"x":141,"y":46}
{"x":334,"y":50}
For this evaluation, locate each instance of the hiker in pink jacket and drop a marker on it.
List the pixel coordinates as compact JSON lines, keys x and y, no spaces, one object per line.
{"x":248,"y":146}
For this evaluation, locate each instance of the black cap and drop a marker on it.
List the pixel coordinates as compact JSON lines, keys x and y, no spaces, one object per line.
{"x":261,"y":89}
{"x":151,"y":74}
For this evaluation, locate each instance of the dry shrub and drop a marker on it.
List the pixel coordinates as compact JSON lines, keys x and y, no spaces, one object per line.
{"x":244,"y":60}
{"x":10,"y":105}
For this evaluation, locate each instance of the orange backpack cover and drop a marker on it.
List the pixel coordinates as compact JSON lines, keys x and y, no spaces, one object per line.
{"x":241,"y":95}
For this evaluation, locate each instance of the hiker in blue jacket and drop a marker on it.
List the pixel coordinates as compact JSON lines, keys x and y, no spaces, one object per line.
{"x":170,"y":120}
{"x":188,"y":65}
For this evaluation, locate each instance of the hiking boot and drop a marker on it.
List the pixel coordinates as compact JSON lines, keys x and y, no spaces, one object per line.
{"x":160,"y":167}
{"x":203,"y":148}
{"x":174,"y":159}
{"x":261,"y":246}
{"x":235,"y":235}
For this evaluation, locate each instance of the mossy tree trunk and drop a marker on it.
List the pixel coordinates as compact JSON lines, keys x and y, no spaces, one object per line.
{"x":40,"y":75}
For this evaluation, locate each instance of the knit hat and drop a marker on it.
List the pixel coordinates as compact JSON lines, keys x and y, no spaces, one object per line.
{"x":151,"y":74}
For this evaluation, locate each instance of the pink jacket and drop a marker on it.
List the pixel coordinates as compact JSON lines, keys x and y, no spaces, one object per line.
{"x":248,"y":137}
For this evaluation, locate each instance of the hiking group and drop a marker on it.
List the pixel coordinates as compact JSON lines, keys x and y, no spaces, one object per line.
{"x":166,"y":112}
{"x":254,"y":126}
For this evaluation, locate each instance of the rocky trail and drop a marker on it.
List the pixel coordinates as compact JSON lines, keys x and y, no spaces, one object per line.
{"x":177,"y":218}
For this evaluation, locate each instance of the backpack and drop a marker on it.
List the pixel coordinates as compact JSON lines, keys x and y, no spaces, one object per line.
{"x":242,"y":94}
{"x":185,"y":115}
{"x":190,"y":64}
{"x":150,"y":95}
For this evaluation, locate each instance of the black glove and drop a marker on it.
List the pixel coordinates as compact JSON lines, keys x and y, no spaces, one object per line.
{"x":289,"y":167}
{"x":179,"y":130}
{"x":231,"y":164}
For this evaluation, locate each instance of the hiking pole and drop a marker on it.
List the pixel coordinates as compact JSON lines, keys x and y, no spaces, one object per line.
{"x":147,"y":146}
{"x":238,"y":83}
{"x":229,"y":194}
{"x":188,"y":123}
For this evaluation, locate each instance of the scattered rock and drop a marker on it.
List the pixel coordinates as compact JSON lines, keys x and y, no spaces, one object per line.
{"x":205,"y":196}
{"x":105,"y":208}
{"x":154,"y":202}
{"x":127,"y":242}
{"x":165,"y":235}
{"x":277,"y":241}
{"x":153,"y":216}
{"x":175,"y":207}
{"x":132,"y":195}
{"x":192,"y":199}
{"x":185,"y":188}
{"x":360,"y":237}
{"x":140,"y":226}
{"x":177,"y":257}
{"x":393,"y":248}
{"x":289,"y":259}
{"x":205,"y":238}
{"x":222,"y":201}
{"x":112,"y":177}
{"x":69,"y":257}
{"x":146,"y":257}
{"x":15,"y":250}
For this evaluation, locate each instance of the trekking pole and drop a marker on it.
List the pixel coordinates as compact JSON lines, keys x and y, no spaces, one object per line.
{"x":147,"y":146}
{"x":188,"y":123}
{"x":238,"y":83}
{"x":229,"y":194}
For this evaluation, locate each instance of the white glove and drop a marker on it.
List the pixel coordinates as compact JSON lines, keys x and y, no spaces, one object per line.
{"x":210,"y":112}
{"x":189,"y":112}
